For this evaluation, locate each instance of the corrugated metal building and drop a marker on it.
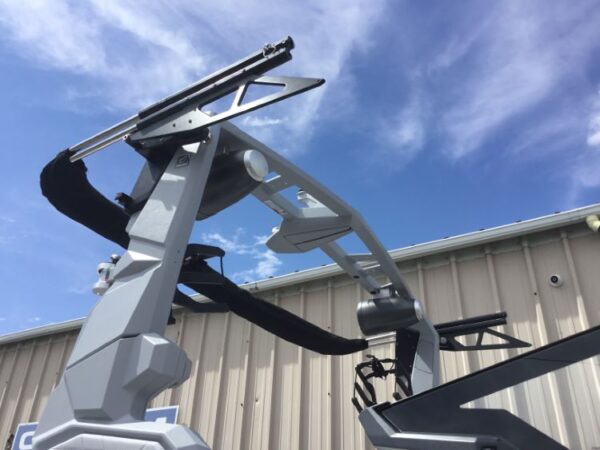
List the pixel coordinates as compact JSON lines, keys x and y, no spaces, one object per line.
{"x":250,"y":390}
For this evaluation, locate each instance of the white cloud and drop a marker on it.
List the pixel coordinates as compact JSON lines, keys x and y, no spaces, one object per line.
{"x":128,"y":56}
{"x":267,"y":266}
{"x":264,"y":121}
{"x":266,"y":261}
{"x":46,"y":32}
{"x":494,"y":66}
{"x":34,"y":319}
{"x":508,"y":74}
{"x":593,"y":138}
{"x":405,"y":133}
{"x":586,"y":169}
{"x":518,"y":66}
{"x":553,"y":134}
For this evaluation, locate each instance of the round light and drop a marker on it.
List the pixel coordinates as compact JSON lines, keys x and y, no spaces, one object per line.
{"x":387,"y":313}
{"x":256,"y":164}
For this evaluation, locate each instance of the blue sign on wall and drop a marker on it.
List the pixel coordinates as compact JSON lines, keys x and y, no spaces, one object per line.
{"x":25,"y":431}
{"x":167,"y":414}
{"x":23,"y":436}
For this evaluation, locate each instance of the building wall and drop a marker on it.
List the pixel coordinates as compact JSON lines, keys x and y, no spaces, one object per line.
{"x":250,"y":390}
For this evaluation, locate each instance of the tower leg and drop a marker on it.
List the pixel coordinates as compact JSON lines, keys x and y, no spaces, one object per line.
{"x":121,"y":359}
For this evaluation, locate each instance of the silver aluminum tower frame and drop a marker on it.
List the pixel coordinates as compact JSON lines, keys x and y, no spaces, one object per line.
{"x":121,"y":359}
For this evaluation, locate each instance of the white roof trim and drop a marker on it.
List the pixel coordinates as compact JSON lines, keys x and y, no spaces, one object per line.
{"x":53,"y":328}
{"x":552,"y":221}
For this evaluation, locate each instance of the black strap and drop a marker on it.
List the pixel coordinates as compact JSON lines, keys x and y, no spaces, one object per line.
{"x":270,"y":317}
{"x":66,"y":186}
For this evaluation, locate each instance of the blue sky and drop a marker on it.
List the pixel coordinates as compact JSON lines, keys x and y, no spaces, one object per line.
{"x":437,"y":118}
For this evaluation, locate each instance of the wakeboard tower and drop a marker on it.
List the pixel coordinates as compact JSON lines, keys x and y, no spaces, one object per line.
{"x":197,"y":164}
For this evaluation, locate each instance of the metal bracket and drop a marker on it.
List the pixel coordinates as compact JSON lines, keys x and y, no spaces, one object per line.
{"x":450,"y":343}
{"x":194,"y":119}
{"x":479,"y":326}
{"x":169,"y":112}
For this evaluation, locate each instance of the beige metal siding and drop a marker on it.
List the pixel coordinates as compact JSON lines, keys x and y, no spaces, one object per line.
{"x":28,"y":373}
{"x":250,"y":390}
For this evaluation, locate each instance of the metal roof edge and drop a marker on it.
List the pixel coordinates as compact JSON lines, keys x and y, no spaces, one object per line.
{"x":52,"y":328}
{"x":538,"y":224}
{"x":470,"y":239}
{"x":520,"y":228}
